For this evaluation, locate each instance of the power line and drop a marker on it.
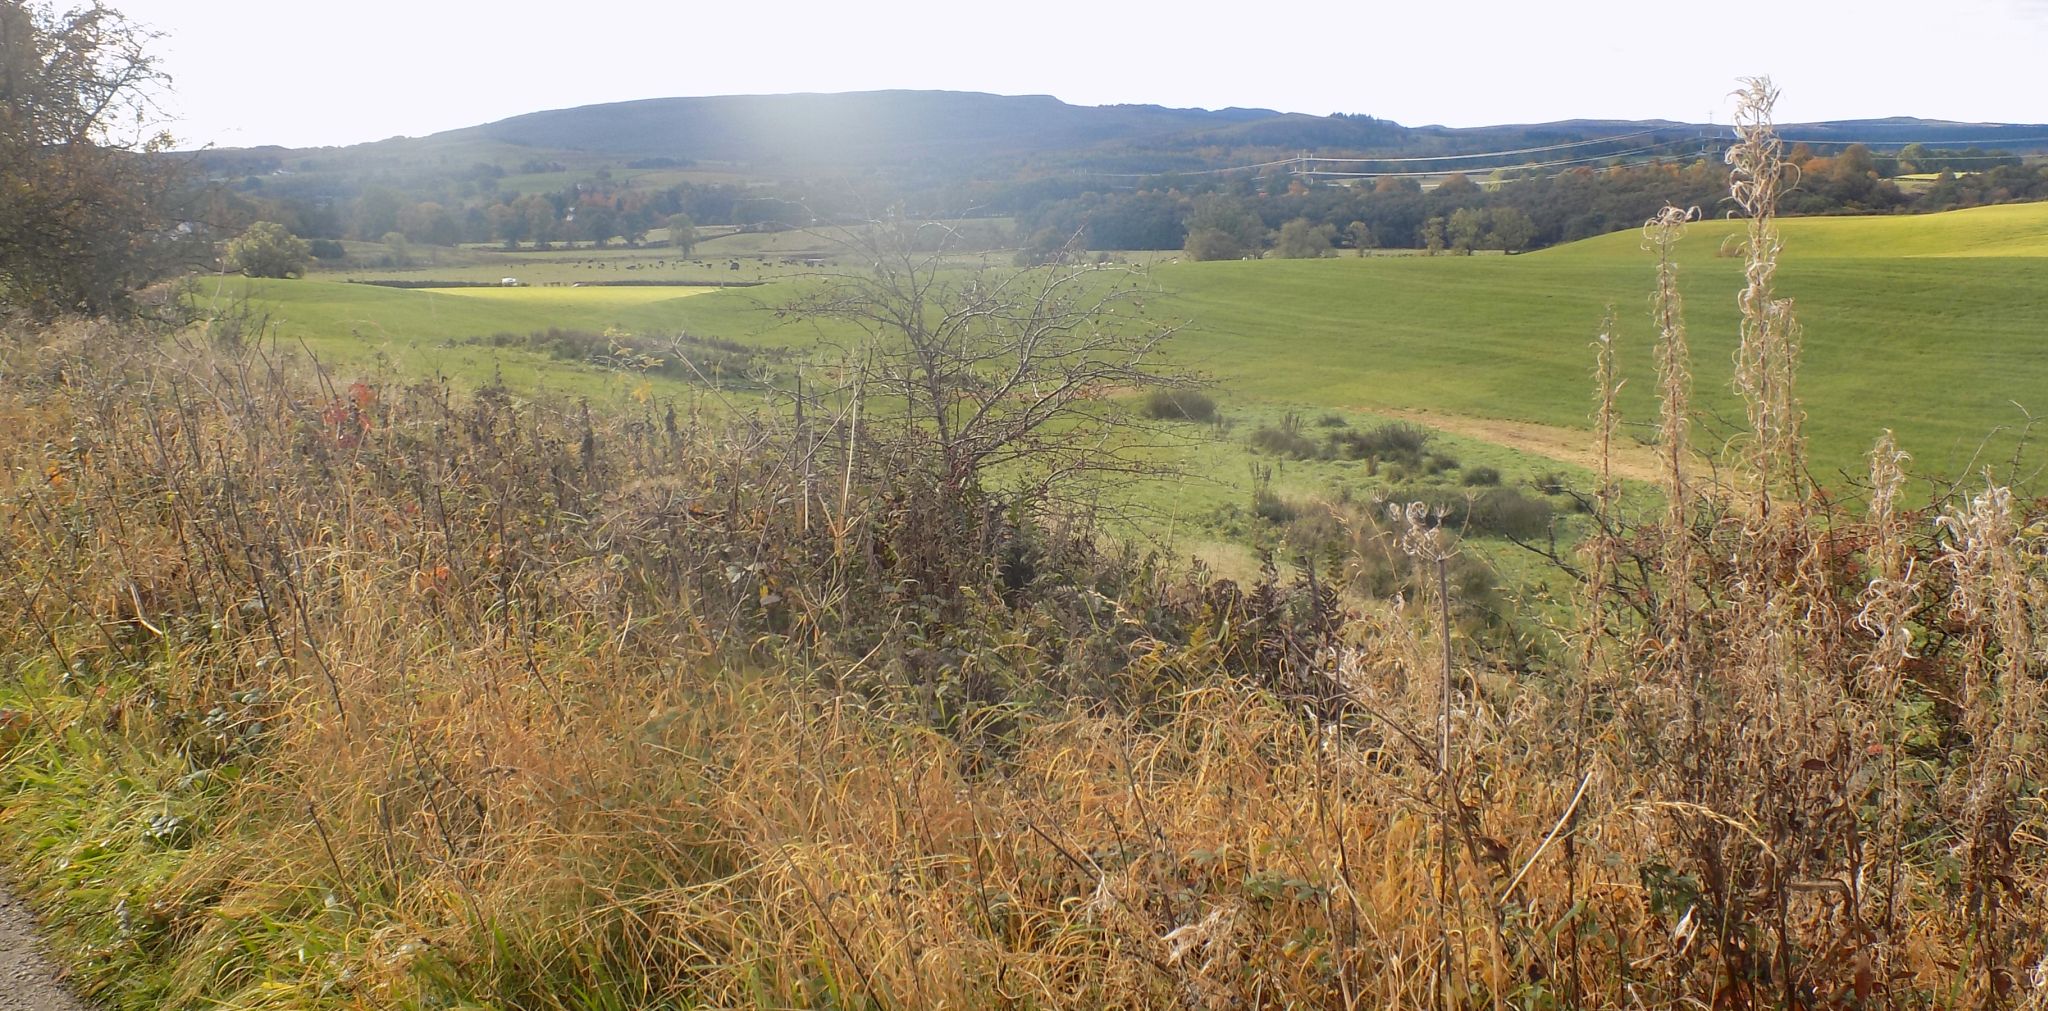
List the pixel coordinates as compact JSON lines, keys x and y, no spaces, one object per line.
{"x":1810,"y":141}
{"x":1946,"y":158}
{"x":1502,"y":168}
{"x":1189,"y":172}
{"x":1303,"y":163}
{"x":1304,"y":160}
{"x":1502,"y":154}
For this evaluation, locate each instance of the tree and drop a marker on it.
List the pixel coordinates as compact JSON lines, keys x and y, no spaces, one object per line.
{"x":1433,"y":236}
{"x":1512,"y":229}
{"x":987,"y":370}
{"x":1361,"y":236}
{"x":1854,"y":164}
{"x":599,"y":223}
{"x":1466,"y":226}
{"x":267,"y":249}
{"x":1212,"y":244}
{"x":377,"y":212}
{"x":1223,"y":228}
{"x":429,"y":223}
{"x":633,"y":220}
{"x":1913,"y":158}
{"x":1457,"y":185}
{"x":400,"y":253}
{"x":1302,"y":239}
{"x":84,"y":218}
{"x":539,"y":219}
{"x":507,"y":224}
{"x":682,"y":233}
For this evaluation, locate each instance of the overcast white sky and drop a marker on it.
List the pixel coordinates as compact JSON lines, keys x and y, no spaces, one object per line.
{"x":286,"y":72}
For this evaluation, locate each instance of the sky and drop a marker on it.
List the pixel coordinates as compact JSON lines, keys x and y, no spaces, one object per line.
{"x":251,"y":72}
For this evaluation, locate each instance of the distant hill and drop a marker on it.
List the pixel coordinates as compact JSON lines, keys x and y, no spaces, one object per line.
{"x":957,"y":152}
{"x":972,"y":134}
{"x":1898,"y":131}
{"x":857,"y":128}
{"x":897,"y":127}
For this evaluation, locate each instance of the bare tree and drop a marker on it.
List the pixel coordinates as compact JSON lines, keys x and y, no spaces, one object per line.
{"x":982,"y":368}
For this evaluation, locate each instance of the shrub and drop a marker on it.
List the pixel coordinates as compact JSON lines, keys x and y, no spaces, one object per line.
{"x":1500,"y":512}
{"x":683,"y":356}
{"x":1285,"y":439}
{"x":1332,"y":420}
{"x":1509,"y":513}
{"x":1476,"y":477}
{"x":1179,"y":405}
{"x":327,"y":249}
{"x":1395,"y":443}
{"x":1354,"y":542}
{"x":1272,"y":508}
{"x":1278,"y":441}
{"x":267,"y":249}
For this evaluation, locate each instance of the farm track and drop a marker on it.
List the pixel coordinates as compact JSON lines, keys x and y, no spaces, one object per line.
{"x":28,"y":981}
{"x":1575,"y":446}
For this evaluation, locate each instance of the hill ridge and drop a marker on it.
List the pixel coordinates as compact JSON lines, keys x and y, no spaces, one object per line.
{"x":903,"y":125}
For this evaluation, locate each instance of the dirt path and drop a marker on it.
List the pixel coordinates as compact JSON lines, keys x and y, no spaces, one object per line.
{"x":28,"y":981}
{"x":1575,"y":446}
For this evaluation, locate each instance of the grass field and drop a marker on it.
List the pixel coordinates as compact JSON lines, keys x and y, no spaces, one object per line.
{"x":1936,"y":326}
{"x":723,"y":255}
{"x":433,"y":331}
{"x":567,"y":300}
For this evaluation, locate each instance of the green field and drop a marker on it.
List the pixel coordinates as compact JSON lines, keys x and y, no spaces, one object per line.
{"x":568,"y":301}
{"x":442,"y":331}
{"x":1936,"y":326}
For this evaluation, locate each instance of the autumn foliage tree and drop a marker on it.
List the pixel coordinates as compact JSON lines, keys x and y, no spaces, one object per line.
{"x":84,"y":215}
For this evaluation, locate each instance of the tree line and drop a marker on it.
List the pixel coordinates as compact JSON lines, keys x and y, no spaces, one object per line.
{"x":1207,"y":217}
{"x":1296,"y":215}
{"x":596,"y":212}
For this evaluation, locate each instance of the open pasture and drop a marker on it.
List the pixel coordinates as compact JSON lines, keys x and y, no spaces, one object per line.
{"x":2002,"y":230}
{"x":1928,"y":324}
{"x":568,"y":299}
{"x":582,"y":266}
{"x":448,"y":332}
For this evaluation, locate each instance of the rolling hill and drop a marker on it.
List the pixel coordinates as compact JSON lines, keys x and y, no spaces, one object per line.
{"x":975,"y":134}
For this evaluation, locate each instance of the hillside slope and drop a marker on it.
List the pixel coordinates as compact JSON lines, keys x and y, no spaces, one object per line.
{"x":2002,"y":230}
{"x":1930,"y":325}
